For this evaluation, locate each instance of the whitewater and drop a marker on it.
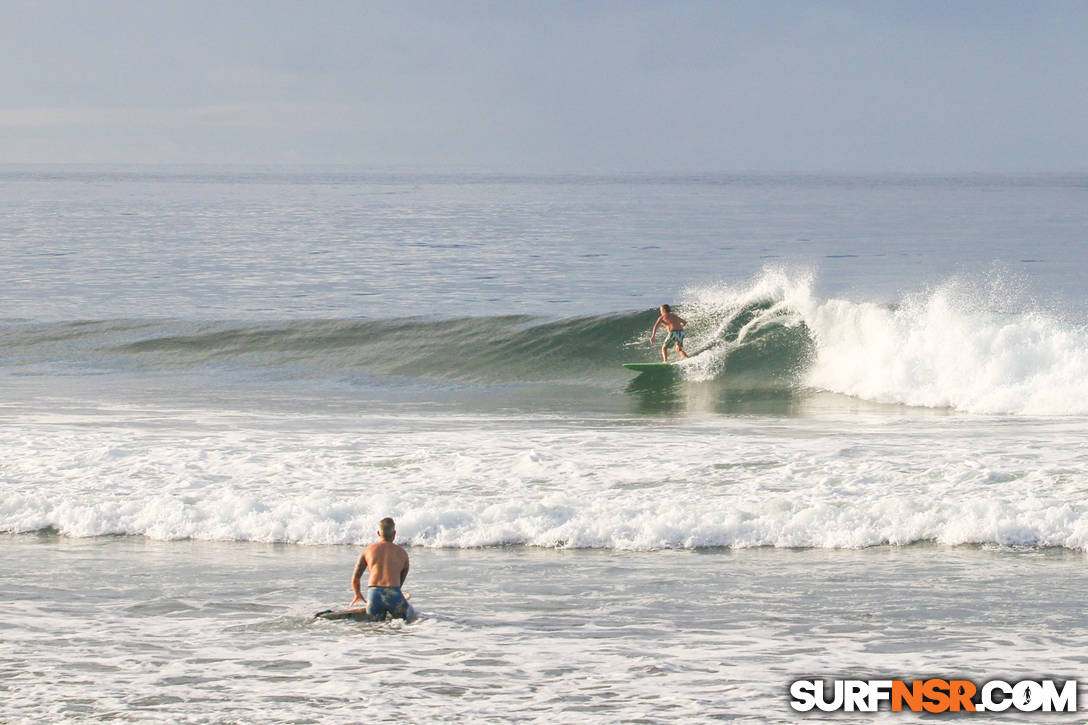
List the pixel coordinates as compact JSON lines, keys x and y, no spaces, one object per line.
{"x":967,"y":345}
{"x":465,"y":482}
{"x":541,"y":480}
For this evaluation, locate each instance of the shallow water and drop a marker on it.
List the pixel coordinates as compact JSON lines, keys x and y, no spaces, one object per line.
{"x":137,"y":630}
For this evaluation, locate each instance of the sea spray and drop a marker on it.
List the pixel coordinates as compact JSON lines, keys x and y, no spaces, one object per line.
{"x":947,"y":347}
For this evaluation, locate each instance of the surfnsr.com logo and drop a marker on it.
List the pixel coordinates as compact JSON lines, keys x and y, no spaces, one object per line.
{"x":934,"y":695}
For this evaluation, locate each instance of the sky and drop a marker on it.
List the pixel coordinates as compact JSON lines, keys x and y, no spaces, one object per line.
{"x":550,"y":86}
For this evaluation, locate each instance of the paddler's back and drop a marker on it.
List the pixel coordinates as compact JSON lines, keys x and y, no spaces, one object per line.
{"x":387,"y":563}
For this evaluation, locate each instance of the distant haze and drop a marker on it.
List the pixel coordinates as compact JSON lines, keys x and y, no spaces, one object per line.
{"x":929,"y":86}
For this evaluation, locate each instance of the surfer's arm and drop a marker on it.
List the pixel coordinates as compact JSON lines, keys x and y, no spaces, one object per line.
{"x":653,"y":332}
{"x":404,"y":573}
{"x":360,"y":567}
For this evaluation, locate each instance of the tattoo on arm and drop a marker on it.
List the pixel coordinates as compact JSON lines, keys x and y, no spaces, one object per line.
{"x":360,"y":567}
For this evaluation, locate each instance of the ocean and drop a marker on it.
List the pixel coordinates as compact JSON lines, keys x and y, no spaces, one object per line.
{"x":214,"y":381}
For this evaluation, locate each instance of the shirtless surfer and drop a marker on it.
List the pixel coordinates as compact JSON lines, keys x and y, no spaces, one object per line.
{"x":675,"y":326}
{"x":388,"y":565}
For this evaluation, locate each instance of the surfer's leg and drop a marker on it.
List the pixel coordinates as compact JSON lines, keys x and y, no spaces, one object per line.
{"x":382,"y":601}
{"x":398,"y":606}
{"x":375,"y":603}
{"x":664,"y":353}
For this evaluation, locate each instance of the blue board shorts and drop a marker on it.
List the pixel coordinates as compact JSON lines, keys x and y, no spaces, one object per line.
{"x":381,"y":601}
{"x":676,"y":337}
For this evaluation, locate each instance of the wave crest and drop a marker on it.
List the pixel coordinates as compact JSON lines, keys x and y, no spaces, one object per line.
{"x":944,"y":348}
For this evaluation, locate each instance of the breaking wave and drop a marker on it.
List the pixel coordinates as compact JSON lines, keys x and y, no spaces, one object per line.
{"x":953,"y":346}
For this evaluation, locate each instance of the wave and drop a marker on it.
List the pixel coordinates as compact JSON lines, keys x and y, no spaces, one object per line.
{"x":476,"y":350}
{"x":637,"y":523}
{"x":956,"y":346}
{"x":326,"y":476}
{"x":622,"y":498}
{"x":483,"y":350}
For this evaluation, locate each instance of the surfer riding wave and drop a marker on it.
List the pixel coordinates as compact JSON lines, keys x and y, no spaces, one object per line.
{"x":675,"y":325}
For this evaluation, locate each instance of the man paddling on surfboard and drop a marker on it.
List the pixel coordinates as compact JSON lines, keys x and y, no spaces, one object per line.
{"x":388,"y":565}
{"x":675,"y":326}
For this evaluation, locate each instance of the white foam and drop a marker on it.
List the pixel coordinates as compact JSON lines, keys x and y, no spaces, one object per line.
{"x":485,"y":482}
{"x":943,"y":348}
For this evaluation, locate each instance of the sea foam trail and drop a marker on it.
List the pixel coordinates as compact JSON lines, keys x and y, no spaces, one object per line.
{"x":470,"y":482}
{"x":944,"y":348}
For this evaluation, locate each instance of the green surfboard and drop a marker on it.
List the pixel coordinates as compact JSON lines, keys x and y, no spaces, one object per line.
{"x":647,"y":367}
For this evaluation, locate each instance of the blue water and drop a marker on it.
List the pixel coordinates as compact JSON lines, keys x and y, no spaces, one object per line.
{"x":106,"y":243}
{"x":214,"y":381}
